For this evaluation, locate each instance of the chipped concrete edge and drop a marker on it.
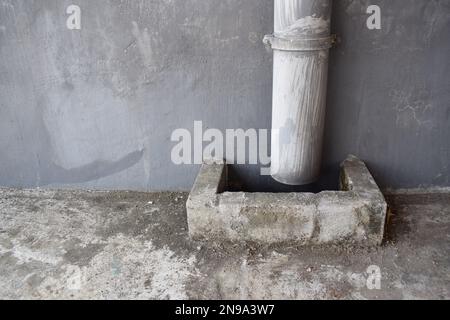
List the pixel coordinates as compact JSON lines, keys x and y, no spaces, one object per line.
{"x":356,"y":214}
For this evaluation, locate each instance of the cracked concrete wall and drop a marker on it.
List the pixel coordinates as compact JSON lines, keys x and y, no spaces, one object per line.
{"x":95,"y":108}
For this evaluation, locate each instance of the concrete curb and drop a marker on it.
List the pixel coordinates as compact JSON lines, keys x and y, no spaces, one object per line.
{"x":356,"y":214}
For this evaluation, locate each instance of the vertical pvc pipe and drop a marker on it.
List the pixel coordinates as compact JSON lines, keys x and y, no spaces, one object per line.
{"x":301,"y":44}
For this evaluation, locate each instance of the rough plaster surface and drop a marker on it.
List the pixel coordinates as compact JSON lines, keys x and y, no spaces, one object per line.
{"x":95,"y":108}
{"x":356,"y":214}
{"x":124,"y":245}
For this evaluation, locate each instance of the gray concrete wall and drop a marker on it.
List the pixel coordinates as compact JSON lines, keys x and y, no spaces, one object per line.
{"x":95,"y":108}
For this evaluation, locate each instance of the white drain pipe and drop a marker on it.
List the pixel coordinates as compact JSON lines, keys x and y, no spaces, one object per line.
{"x":301,"y":44}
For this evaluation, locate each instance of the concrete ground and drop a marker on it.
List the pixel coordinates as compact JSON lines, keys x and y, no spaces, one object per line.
{"x":127,"y":245}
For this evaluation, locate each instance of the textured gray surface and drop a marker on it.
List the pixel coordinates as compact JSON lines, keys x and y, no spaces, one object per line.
{"x":354,"y":215}
{"x":95,"y":108}
{"x":122,"y":245}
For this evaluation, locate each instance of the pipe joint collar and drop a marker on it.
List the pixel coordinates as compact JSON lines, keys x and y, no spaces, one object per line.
{"x":283,"y":44}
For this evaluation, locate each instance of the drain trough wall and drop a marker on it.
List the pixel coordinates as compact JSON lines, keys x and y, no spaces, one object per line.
{"x":355,"y":215}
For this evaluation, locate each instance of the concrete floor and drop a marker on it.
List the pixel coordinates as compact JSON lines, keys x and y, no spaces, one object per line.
{"x":123,"y":245}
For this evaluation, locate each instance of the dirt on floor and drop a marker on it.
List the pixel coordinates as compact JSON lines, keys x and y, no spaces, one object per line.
{"x":130,"y":245}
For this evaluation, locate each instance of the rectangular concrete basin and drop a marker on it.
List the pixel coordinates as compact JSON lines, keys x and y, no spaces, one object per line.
{"x":356,"y":214}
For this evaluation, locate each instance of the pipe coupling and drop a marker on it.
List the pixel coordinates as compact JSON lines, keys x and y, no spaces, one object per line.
{"x":283,"y":44}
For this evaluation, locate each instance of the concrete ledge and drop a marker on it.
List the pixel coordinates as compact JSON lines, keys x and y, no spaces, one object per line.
{"x":356,"y":215}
